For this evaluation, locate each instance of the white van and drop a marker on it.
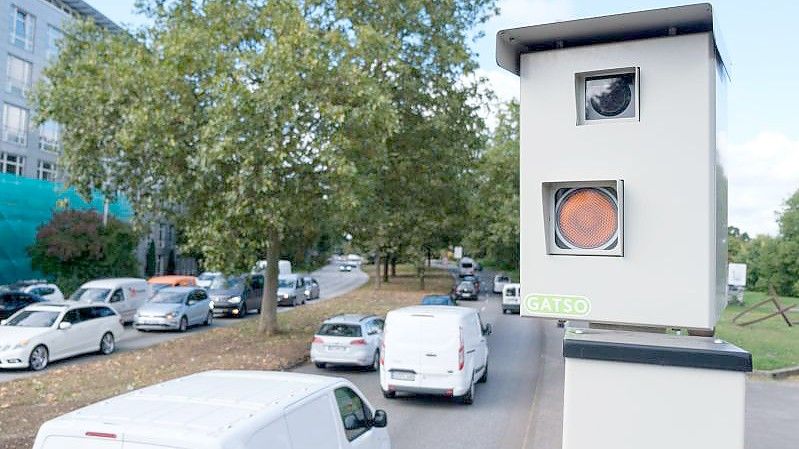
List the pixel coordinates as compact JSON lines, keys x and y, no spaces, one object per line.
{"x":466,"y":267}
{"x":226,"y":410}
{"x":124,"y":295}
{"x":440,"y":350}
{"x":283,"y":267}
{"x":511,"y":298}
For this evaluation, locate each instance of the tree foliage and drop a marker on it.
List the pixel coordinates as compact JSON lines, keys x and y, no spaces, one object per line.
{"x":75,"y":247}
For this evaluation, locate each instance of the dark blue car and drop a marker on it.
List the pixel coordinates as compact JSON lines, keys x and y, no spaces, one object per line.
{"x":438,"y":300}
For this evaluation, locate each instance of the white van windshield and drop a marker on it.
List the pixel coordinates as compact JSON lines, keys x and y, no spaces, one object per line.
{"x":90,"y":294}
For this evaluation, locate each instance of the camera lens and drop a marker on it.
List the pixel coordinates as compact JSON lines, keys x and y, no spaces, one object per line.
{"x":609,"y":96}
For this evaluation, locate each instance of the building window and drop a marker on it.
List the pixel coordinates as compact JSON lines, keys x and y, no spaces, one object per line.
{"x":50,"y":136}
{"x":15,"y":124}
{"x":22,"y":25}
{"x":46,"y":171}
{"x":53,"y":36}
{"x":11,"y":163}
{"x":18,"y":75}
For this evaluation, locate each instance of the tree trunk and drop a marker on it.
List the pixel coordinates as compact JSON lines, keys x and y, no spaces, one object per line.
{"x":429,"y":258}
{"x":267,"y":325}
{"x":393,"y":266}
{"x":378,"y":278}
{"x":422,"y":272}
{"x":385,"y":267}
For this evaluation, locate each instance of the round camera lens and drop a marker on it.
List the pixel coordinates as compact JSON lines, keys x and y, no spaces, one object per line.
{"x":611,"y":96}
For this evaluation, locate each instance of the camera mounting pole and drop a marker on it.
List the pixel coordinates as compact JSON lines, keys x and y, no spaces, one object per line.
{"x":622,"y":190}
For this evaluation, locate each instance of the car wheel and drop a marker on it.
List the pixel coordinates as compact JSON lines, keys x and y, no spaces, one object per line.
{"x":468,"y":398}
{"x":107,"y":344}
{"x":320,"y":365}
{"x":39,"y":358}
{"x":484,"y":378}
{"x":209,"y":319}
{"x":375,"y":361}
{"x":389,"y":394}
{"x":184,"y":324}
{"x":504,"y":311}
{"x":243,"y":310}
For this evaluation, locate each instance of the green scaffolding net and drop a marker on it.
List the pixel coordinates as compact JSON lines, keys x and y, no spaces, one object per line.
{"x":27,"y":203}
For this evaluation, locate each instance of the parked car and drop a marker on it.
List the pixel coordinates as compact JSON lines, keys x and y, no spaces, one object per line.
{"x":226,"y":410}
{"x":466,"y":290}
{"x":236,"y":295}
{"x":175,"y":308}
{"x":125,"y":295}
{"x":511,"y":298}
{"x":41,"y":288}
{"x":44,"y":332}
{"x":348,"y":340}
{"x":311,"y":287}
{"x":159,"y":282}
{"x":205,"y":279}
{"x":474,"y":280}
{"x":499,"y":283}
{"x":290,"y":290}
{"x":438,"y":300}
{"x":437,"y":350}
{"x":12,"y":301}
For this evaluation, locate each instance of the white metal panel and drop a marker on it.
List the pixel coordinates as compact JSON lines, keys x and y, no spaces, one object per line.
{"x":653,"y":407}
{"x":667,"y":160}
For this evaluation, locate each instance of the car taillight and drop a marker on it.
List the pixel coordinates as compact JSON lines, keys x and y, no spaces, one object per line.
{"x":317,"y":340}
{"x":358,"y":342}
{"x":101,"y":435}
{"x":461,"y":360}
{"x":383,"y":351}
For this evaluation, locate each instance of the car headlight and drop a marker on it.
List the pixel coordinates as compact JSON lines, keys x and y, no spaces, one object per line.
{"x":21,"y":344}
{"x":234,"y":300}
{"x":170,"y":316}
{"x":210,"y":304}
{"x":285,"y":296}
{"x":308,"y":292}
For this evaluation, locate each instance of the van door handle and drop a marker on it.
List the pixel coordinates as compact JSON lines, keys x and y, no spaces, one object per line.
{"x":470,"y":351}
{"x":431,"y":355}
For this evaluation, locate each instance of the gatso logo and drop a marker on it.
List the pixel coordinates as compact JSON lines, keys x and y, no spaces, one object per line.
{"x":556,"y":305}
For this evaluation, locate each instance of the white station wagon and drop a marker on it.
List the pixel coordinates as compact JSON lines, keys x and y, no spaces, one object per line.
{"x":41,"y":333}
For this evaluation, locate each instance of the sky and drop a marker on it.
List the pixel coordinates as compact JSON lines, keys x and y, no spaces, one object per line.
{"x":762,"y":157}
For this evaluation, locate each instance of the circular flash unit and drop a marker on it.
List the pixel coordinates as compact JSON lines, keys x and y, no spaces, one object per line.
{"x":587,"y":218}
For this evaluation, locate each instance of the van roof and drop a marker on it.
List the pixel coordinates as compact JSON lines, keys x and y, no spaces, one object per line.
{"x":434,"y":310}
{"x":111,"y":282}
{"x":208,"y":405}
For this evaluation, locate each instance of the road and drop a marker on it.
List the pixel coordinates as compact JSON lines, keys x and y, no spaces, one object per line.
{"x":332,"y":283}
{"x":500,"y":415}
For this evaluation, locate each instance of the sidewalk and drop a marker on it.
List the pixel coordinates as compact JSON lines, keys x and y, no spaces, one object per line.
{"x":772,"y":407}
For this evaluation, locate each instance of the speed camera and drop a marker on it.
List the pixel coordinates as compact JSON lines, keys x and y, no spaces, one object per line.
{"x":623,"y":191}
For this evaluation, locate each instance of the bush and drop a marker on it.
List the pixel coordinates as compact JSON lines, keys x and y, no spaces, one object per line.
{"x":75,"y":247}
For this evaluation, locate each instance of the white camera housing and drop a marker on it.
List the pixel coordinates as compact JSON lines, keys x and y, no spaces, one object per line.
{"x":655,"y":135}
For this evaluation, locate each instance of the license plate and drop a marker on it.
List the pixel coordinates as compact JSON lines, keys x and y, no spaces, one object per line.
{"x":335,"y":348}
{"x":466,"y":295}
{"x":402,"y":375}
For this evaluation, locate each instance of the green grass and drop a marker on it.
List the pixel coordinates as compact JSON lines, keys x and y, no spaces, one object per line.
{"x":773,"y":343}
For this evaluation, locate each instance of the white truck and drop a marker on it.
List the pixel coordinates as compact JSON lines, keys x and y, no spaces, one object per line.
{"x":226,"y":410}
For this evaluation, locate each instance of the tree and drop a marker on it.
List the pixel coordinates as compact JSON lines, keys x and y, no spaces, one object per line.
{"x":170,"y":262}
{"x":149,"y":266}
{"x":496,"y":202}
{"x":235,"y":118}
{"x":75,"y":247}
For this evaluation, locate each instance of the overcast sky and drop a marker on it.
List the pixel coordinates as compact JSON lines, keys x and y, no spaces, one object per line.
{"x":762,"y":157}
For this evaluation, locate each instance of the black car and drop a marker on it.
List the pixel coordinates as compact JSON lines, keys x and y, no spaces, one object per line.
{"x":466,"y":290}
{"x":474,"y":280}
{"x":11,"y":302}
{"x":235,"y":296}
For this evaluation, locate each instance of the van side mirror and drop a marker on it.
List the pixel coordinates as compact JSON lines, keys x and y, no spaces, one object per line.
{"x":64,"y":325}
{"x":487,"y":329}
{"x":380,"y":420}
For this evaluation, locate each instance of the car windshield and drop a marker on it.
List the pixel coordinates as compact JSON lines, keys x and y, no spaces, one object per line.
{"x":168,"y":298}
{"x":285,"y":283}
{"x":33,"y":318}
{"x":466,"y":265}
{"x":224,"y":283}
{"x":90,"y":294}
{"x":340,"y":330}
{"x":503,"y":279}
{"x":465,"y":286}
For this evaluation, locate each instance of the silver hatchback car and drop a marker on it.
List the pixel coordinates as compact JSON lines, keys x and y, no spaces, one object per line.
{"x":175,"y":308}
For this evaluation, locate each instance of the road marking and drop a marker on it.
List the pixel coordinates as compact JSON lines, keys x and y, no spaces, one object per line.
{"x":483,"y":309}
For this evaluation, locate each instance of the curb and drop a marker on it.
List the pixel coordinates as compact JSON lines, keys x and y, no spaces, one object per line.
{"x":781,"y":373}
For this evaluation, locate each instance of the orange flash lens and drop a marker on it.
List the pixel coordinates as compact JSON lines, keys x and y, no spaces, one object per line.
{"x":588,"y":218}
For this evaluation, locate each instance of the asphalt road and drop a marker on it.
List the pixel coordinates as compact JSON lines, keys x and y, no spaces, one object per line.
{"x":332,"y":283}
{"x":500,"y":415}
